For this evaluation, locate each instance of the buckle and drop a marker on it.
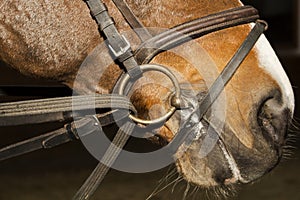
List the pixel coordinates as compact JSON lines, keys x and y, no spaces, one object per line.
{"x":122,"y":50}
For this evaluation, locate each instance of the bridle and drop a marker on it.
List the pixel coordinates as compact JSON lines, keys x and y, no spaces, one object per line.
{"x":134,"y":64}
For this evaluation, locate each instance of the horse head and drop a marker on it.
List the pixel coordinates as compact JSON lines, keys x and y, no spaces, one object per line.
{"x":249,"y":121}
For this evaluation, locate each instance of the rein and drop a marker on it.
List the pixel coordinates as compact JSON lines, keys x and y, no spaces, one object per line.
{"x":134,"y":64}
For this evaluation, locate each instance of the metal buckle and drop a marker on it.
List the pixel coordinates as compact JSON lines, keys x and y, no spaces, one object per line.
{"x":123,"y":50}
{"x":175,"y":100}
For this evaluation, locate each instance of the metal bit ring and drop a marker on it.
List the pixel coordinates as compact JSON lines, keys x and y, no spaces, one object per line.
{"x":175,"y":101}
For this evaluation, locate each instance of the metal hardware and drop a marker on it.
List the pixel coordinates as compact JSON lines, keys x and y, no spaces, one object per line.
{"x":175,"y":101}
{"x":122,"y":50}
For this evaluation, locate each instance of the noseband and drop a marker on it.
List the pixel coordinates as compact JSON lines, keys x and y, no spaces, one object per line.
{"x":133,"y":64}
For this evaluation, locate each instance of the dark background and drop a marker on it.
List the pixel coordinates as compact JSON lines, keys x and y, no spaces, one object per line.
{"x":57,"y":173}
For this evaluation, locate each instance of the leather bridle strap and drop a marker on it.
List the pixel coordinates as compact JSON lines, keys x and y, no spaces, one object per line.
{"x":98,"y":174}
{"x":132,"y":20}
{"x":118,"y":45}
{"x":194,"y":29}
{"x":60,"y":109}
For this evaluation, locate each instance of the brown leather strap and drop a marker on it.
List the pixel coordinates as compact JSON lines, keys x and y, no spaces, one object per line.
{"x":194,"y":29}
{"x":132,"y":20}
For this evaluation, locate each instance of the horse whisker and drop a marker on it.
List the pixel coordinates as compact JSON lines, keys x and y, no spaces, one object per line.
{"x":176,"y":183}
{"x":169,"y":175}
{"x":187,"y":189}
{"x":157,"y":190}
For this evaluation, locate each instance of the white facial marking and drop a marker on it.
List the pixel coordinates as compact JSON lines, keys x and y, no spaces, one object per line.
{"x":271,"y":64}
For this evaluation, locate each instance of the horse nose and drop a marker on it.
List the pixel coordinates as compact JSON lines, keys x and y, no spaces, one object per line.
{"x":274,"y":118}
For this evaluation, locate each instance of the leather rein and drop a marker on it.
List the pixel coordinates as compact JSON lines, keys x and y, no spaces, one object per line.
{"x":134,"y":64}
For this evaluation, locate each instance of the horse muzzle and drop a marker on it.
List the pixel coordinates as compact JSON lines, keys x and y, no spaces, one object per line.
{"x":218,"y":158}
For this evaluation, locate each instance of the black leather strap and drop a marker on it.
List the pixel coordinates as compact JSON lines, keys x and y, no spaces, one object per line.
{"x":132,"y":20}
{"x":97,"y":176}
{"x":59,"y":109}
{"x":44,"y":141}
{"x":117,"y":43}
{"x":63,"y":135}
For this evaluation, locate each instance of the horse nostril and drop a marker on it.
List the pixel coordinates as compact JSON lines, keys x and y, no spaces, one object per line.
{"x":273,"y":118}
